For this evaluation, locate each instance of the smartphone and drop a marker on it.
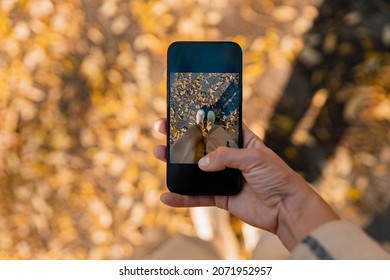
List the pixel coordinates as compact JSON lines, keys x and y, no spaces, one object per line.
{"x":204,"y":86}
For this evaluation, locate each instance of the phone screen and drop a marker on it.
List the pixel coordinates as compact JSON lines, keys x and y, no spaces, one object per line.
{"x":204,"y":113}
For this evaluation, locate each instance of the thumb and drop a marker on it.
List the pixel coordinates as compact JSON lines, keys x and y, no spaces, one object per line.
{"x":224,"y":157}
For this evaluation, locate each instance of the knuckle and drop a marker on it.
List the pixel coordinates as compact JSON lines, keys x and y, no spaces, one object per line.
{"x":218,"y":157}
{"x":220,"y":153}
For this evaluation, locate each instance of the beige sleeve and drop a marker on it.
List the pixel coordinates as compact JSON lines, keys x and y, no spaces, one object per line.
{"x":339,"y":240}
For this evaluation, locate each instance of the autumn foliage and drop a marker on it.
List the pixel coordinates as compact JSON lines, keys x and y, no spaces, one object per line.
{"x":82,"y":82}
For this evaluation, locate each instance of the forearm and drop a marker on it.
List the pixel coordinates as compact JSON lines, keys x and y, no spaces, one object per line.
{"x":301,"y":213}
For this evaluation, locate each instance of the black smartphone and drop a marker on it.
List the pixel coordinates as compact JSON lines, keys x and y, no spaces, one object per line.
{"x":204,"y":85}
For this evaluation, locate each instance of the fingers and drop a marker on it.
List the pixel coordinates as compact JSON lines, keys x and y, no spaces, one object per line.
{"x":216,"y":160}
{"x":224,"y":157}
{"x":160,"y":152}
{"x":161,"y":126}
{"x":177,"y":200}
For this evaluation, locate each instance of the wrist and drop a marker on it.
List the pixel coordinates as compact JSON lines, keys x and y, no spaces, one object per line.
{"x":300,"y":213}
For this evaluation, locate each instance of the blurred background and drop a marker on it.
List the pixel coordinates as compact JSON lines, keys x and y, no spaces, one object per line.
{"x":82,"y":82}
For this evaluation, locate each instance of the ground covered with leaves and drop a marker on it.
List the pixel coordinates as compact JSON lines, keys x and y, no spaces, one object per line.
{"x":82,"y":82}
{"x":215,"y":92}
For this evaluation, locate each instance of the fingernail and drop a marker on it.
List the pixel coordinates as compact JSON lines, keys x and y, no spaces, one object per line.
{"x":204,"y":161}
{"x":156,"y":125}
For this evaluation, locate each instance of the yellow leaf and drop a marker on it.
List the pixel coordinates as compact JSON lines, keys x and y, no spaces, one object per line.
{"x":354,"y":194}
{"x":4,"y":24}
{"x":132,"y":173}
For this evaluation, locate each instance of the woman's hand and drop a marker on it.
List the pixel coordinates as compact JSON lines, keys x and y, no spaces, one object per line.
{"x":274,"y":197}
